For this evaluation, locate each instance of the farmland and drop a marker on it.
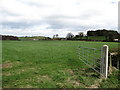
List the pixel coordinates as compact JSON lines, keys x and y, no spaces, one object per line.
{"x":46,"y":64}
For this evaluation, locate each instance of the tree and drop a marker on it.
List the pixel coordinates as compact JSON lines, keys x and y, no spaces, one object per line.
{"x":56,"y":35}
{"x":80,"y":34}
{"x":91,"y":33}
{"x":110,"y":35}
{"x":53,"y":36}
{"x":69,"y":36}
{"x":86,"y":37}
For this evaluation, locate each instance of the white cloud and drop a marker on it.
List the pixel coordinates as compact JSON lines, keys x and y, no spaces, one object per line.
{"x":48,"y":17}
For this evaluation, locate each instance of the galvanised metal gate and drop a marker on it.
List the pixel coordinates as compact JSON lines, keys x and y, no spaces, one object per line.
{"x":97,"y":59}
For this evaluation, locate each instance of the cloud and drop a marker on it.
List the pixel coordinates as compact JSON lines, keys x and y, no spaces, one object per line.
{"x":48,"y":17}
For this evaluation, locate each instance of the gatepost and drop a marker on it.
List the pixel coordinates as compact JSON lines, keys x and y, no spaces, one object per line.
{"x":104,"y":61}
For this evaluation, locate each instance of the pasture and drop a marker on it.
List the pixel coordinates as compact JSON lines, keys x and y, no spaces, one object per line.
{"x":46,"y":64}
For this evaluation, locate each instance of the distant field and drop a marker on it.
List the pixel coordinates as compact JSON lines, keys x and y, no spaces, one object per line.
{"x":33,"y":37}
{"x":46,"y":64}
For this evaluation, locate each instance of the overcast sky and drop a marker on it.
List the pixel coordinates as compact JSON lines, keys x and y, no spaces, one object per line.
{"x":49,"y":17}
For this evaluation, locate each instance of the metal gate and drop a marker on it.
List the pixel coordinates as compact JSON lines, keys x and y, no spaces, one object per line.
{"x":97,"y":59}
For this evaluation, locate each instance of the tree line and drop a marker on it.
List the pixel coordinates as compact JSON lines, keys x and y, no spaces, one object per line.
{"x":109,"y":35}
{"x":7,"y":37}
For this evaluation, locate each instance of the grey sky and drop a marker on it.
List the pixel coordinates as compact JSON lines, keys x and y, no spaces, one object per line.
{"x":49,"y":17}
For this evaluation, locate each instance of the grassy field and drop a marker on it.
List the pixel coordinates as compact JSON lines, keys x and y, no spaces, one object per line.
{"x":46,"y":64}
{"x":32,"y":37}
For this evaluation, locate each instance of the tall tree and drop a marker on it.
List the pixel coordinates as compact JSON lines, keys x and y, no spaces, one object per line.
{"x":69,"y":36}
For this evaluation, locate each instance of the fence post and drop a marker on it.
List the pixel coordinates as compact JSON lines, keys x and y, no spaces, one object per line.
{"x":104,"y":61}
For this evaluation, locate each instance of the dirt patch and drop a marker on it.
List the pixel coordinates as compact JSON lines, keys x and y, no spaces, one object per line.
{"x":17,"y":71}
{"x":7,"y":65}
{"x":75,"y":83}
{"x":70,"y":71}
{"x":46,"y":77}
{"x":96,"y":84}
{"x":60,"y":85}
{"x":29,"y":86}
{"x":6,"y":73}
{"x":22,"y":70}
{"x":42,"y":78}
{"x":93,"y":86}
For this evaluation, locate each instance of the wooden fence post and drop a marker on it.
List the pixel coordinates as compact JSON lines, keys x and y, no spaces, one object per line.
{"x":104,"y":61}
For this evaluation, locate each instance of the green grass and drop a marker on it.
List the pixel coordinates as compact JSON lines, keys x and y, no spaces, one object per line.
{"x":32,"y":37}
{"x":46,"y":64}
{"x":113,"y":81}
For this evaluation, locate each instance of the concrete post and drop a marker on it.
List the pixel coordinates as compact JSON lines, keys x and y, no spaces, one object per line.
{"x":104,"y":61}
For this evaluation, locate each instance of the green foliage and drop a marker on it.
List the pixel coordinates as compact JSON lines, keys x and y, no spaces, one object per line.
{"x":96,"y":38}
{"x":109,"y":34}
{"x":90,"y":38}
{"x":69,"y":36}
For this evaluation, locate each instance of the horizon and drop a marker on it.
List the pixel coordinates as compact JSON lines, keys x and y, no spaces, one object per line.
{"x":54,"y":34}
